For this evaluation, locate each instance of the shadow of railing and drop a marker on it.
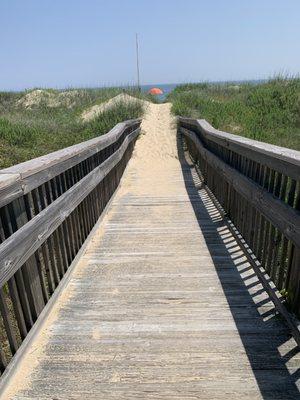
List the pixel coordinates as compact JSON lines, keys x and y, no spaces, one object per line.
{"x":267,"y":341}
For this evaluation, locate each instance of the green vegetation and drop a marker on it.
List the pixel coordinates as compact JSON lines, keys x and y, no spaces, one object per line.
{"x":37,"y":122}
{"x":268,"y":111}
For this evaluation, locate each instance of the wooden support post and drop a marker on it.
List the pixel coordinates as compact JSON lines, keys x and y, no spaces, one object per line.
{"x":293,"y":289}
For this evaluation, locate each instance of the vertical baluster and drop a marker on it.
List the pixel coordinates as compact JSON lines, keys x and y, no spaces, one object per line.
{"x":45,"y":199}
{"x":293,"y":253}
{"x":31,"y":279}
{"x":60,"y":235}
{"x":64,"y":225}
{"x":38,"y":255}
{"x":3,"y":360}
{"x":263,"y":222}
{"x":69,"y":221}
{"x":267,"y":241}
{"x":275,"y":236}
{"x":54,"y":238}
{"x":13,"y":291}
{"x":84,"y":206}
{"x":74,"y":214}
{"x":39,"y":205}
{"x":289,"y":196}
{"x":78,"y":172}
{"x":11,"y":336}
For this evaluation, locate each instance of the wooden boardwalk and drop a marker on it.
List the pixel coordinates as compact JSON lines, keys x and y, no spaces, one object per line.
{"x":161,"y":304}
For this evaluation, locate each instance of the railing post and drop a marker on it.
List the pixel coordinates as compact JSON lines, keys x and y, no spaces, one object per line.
{"x":293,"y":290}
{"x":257,"y":184}
{"x":30,"y":269}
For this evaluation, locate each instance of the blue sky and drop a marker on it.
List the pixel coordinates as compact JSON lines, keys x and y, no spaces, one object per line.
{"x":61,"y":43}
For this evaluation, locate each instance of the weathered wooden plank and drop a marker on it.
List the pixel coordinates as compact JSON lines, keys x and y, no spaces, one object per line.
{"x":16,"y":250}
{"x":10,"y":187}
{"x":283,"y":160}
{"x":30,"y":267}
{"x":13,"y":291}
{"x":24,"y":177}
{"x":8,"y":227}
{"x":9,"y":328}
{"x":31,"y":167}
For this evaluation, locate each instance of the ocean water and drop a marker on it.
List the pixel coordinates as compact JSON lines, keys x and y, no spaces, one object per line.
{"x":165,"y":87}
{"x":168,"y":87}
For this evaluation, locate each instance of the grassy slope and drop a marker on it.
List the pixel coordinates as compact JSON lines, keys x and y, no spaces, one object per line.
{"x":269,"y":111}
{"x":26,"y":133}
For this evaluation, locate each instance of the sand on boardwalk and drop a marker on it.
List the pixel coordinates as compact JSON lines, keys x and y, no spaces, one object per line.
{"x":155,"y":148}
{"x":158,"y":139}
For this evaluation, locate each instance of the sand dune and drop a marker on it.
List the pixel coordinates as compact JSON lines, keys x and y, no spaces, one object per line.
{"x":50,"y":99}
{"x":97,"y":109}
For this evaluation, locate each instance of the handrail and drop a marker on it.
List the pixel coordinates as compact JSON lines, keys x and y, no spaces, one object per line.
{"x":48,"y":206}
{"x":282,"y":159}
{"x":258,"y":188}
{"x":26,"y":176}
{"x":283,"y":216}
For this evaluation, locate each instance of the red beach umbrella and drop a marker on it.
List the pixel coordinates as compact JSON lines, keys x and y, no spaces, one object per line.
{"x":155,"y":91}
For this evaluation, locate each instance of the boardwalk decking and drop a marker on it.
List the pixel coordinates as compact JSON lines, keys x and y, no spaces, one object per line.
{"x":162,"y":304}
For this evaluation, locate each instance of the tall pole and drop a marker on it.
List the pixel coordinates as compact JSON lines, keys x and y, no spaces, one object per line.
{"x":137,"y":62}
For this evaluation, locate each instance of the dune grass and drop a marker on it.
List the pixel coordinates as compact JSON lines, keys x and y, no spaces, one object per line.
{"x":30,"y":131}
{"x":268,"y":111}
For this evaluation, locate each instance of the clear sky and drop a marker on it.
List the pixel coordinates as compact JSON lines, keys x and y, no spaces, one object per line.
{"x":61,"y":43}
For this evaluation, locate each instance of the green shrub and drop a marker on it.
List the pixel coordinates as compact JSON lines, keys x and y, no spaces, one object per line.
{"x":268,"y":111}
{"x":27,"y":133}
{"x":16,"y":134}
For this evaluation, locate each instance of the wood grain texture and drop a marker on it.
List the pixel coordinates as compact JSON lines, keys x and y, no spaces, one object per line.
{"x":10,"y":187}
{"x":24,"y":177}
{"x":257,"y":185}
{"x":162,"y":304}
{"x":282,"y":216}
{"x":16,"y":250}
{"x":281,"y":159}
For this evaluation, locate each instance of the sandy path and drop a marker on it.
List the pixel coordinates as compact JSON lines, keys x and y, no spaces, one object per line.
{"x":159,"y":143}
{"x":155,"y":156}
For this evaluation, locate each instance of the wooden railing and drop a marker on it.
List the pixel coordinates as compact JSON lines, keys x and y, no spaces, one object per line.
{"x":257,"y":186}
{"x":48,"y":206}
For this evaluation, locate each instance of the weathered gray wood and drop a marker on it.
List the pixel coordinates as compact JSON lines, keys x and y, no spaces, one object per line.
{"x":281,"y":159}
{"x":285,"y":218}
{"x":3,"y":361}
{"x":163,"y":305}
{"x":9,"y":328}
{"x":10,"y":370}
{"x":39,"y":256}
{"x":30,"y":267}
{"x":8,"y":228}
{"x":24,"y":177}
{"x":270,"y":289}
{"x":294,"y":281}
{"x":16,"y":250}
{"x":271,"y":189}
{"x":13,"y":291}
{"x":10,"y":187}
